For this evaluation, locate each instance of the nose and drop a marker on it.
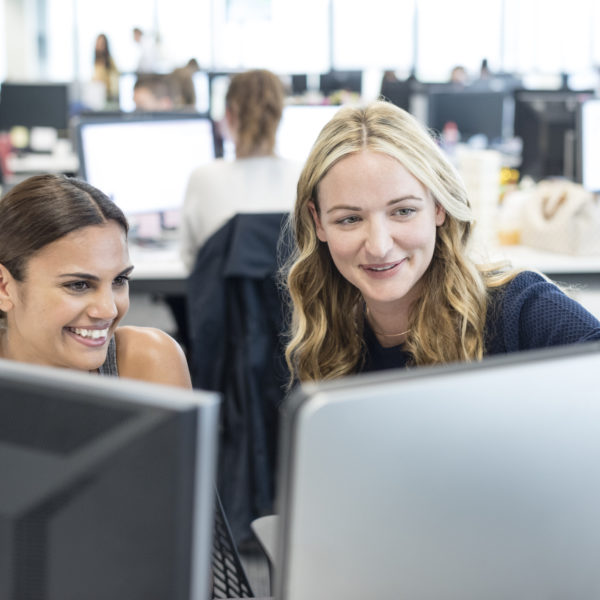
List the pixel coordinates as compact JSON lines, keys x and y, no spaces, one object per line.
{"x":103,"y":305}
{"x":379,"y":239}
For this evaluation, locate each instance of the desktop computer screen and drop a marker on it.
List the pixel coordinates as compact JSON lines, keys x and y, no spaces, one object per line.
{"x":474,"y":112}
{"x":107,"y":487}
{"x":588,"y":128}
{"x":335,"y":81}
{"x":34,"y":105}
{"x":545,"y":120}
{"x":460,"y":481}
{"x":143,"y":160}
{"x":299,"y":127}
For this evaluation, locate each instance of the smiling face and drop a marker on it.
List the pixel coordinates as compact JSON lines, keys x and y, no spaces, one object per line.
{"x":73,"y":296}
{"x":379,"y":223}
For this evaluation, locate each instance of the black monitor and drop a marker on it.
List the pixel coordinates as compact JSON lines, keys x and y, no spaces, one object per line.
{"x":107,"y":487}
{"x":397,"y":92}
{"x":335,"y":81}
{"x":477,"y":111}
{"x":588,"y":148}
{"x":143,"y":160}
{"x":34,"y":105}
{"x":545,"y":120}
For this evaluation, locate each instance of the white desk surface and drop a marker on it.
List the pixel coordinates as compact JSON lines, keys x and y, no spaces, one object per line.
{"x":164,"y":262}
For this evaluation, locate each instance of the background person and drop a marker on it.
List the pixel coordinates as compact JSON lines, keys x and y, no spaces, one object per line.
{"x":153,"y":92}
{"x":257,"y":180}
{"x":64,"y":268}
{"x":381,"y":277}
{"x":105,"y":69}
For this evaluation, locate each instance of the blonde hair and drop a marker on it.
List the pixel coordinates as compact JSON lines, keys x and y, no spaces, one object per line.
{"x":255,"y":99}
{"x":447,"y":324}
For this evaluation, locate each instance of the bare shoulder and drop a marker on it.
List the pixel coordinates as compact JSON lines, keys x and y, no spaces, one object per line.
{"x":149,"y":354}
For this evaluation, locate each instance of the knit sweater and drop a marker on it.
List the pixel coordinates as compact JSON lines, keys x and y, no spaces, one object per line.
{"x":527,"y":313}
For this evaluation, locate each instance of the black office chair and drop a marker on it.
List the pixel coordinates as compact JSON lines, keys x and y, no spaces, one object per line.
{"x":236,"y":319}
{"x":229,"y":577}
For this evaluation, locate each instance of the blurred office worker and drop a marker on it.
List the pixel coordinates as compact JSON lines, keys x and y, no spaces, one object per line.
{"x":257,"y":180}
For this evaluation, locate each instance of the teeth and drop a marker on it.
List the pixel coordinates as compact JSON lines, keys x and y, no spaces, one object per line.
{"x":91,"y":333}
{"x":382,"y":268}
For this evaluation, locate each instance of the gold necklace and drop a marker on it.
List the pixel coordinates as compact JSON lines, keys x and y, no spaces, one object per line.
{"x":369,"y":318}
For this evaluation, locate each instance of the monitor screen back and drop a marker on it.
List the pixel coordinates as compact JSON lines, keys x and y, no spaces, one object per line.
{"x":107,"y":487}
{"x":463,"y":482}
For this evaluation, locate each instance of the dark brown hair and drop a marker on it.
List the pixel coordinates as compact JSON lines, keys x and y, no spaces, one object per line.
{"x":43,"y":209}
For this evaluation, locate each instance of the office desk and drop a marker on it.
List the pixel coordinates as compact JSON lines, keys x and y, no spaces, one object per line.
{"x":160,"y":269}
{"x":572,"y":270}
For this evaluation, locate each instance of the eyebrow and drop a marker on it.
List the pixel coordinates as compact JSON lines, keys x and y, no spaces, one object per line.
{"x":91,"y":277}
{"x":390,"y":203}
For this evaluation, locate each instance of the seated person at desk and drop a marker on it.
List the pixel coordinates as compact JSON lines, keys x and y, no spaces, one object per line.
{"x":381,"y":277}
{"x":64,"y":267}
{"x":257,"y":180}
{"x":153,"y":92}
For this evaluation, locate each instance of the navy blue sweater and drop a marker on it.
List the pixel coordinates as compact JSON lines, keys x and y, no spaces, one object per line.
{"x":529,"y":312}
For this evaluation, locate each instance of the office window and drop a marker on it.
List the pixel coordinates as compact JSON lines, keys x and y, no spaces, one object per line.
{"x":291,"y":37}
{"x":461,"y":32}
{"x":546,"y":37}
{"x":377,"y":34}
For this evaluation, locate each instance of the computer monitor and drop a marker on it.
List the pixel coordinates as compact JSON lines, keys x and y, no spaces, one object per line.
{"x":107,"y":487}
{"x":463,"y":481}
{"x":545,"y":120}
{"x":34,"y":105}
{"x":588,"y":127}
{"x":476,"y":111}
{"x":299,"y":127}
{"x":335,"y":81}
{"x":143,"y":160}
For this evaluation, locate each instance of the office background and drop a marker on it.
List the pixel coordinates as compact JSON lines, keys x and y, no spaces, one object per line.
{"x":54,"y":39}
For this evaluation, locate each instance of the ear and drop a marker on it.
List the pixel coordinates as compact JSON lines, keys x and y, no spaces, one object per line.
{"x":318,"y":226}
{"x":440,"y":214}
{"x":6,"y":289}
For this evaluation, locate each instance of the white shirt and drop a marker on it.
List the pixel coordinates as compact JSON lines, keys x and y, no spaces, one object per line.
{"x":217,"y":191}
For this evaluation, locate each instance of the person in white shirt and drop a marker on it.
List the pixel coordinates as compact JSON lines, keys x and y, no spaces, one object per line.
{"x":257,"y":180}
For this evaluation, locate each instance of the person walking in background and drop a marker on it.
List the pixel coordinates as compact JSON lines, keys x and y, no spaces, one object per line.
{"x":105,"y":70}
{"x":147,"y":52}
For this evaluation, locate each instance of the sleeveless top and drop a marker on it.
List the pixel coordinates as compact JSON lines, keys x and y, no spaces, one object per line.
{"x":110,"y":364}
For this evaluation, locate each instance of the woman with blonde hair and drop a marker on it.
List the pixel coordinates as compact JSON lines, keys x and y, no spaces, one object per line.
{"x":381,"y":276}
{"x":257,"y":180}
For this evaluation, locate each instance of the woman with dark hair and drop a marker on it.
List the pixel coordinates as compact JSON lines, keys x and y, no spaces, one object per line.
{"x":105,"y":69}
{"x":64,"y":272}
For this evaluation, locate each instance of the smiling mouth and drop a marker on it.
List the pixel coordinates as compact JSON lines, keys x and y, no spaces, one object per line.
{"x":92,"y":334}
{"x":382,"y":268}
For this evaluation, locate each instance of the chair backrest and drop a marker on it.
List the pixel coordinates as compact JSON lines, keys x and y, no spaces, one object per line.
{"x":236,"y":318}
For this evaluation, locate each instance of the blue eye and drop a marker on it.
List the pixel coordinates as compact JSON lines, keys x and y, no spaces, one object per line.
{"x":348,"y":220}
{"x":404,"y":212}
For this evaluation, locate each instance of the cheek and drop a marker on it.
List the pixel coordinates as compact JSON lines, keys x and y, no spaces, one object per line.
{"x":342,"y":246}
{"x":122,"y":302}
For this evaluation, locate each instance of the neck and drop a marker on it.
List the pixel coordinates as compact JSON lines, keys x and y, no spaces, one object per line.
{"x":389,"y":332}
